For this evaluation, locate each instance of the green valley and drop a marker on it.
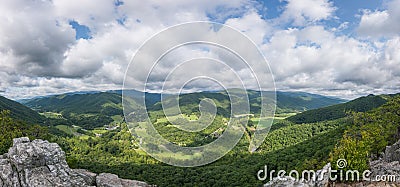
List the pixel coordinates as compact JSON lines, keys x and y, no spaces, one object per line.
{"x":296,"y":140}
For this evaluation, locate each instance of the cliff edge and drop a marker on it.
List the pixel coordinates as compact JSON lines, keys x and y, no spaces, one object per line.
{"x":40,"y":163}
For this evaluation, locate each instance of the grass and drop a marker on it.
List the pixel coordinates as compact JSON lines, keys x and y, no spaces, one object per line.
{"x":52,"y":115}
{"x":67,"y":129}
{"x":191,"y":117}
{"x":117,"y":118}
{"x":99,"y":131}
{"x":84,"y":137}
{"x":112,"y":105}
{"x":284,"y":115}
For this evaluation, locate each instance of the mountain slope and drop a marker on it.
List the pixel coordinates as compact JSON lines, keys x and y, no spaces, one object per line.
{"x":21,"y":112}
{"x":301,"y":101}
{"x":286,"y":101}
{"x":109,"y":103}
{"x":361,"y":104}
{"x":104,"y":103}
{"x":87,"y":110}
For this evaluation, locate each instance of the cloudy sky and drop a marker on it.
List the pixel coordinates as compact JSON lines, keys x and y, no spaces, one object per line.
{"x":339,"y":48}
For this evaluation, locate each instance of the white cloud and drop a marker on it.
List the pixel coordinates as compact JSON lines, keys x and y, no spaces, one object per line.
{"x":39,"y":54}
{"x":32,"y":42}
{"x":252,"y":25}
{"x":37,"y":42}
{"x":314,"y":59}
{"x":381,"y":23}
{"x":307,"y":11}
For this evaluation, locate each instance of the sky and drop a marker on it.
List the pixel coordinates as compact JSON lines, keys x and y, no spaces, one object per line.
{"x":342,"y":48}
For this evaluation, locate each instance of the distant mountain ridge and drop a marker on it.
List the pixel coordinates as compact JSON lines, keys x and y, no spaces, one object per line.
{"x":110,"y":102}
{"x":21,"y":112}
{"x":361,"y":104}
{"x":88,"y":110}
{"x":302,"y":101}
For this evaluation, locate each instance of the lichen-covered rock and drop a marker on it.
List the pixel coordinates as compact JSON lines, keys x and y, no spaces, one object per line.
{"x":392,"y":153}
{"x":322,"y":176}
{"x":37,"y":163}
{"x":40,"y":164}
{"x":108,"y":180}
{"x":389,"y":165}
{"x":321,"y":180}
{"x":89,"y":177}
{"x":111,"y":180}
{"x":286,"y":181}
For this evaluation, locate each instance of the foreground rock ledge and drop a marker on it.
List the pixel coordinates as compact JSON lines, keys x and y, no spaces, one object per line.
{"x":40,"y":163}
{"x":389,"y":164}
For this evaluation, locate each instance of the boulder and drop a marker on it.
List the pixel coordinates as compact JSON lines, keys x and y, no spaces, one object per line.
{"x":392,"y":153}
{"x":111,"y":180}
{"x":286,"y":181}
{"x":321,"y":180}
{"x":40,"y":163}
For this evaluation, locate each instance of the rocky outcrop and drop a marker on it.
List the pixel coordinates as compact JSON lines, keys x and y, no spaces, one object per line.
{"x":286,"y":181}
{"x":392,"y":153}
{"x":40,"y":163}
{"x":389,"y":164}
{"x":321,"y":180}
{"x":387,"y":167}
{"x":112,"y":180}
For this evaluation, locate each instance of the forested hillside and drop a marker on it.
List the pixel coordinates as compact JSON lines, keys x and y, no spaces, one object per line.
{"x":11,"y":128}
{"x":91,"y":110}
{"x":87,"y":110}
{"x":290,"y":146}
{"x":361,"y":104}
{"x":301,"y":145}
{"x":21,"y":112}
{"x":102,"y":102}
{"x":301,"y":101}
{"x":369,"y":134}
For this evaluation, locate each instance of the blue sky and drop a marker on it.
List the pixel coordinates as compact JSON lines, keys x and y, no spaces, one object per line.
{"x":347,"y":11}
{"x":343,"y":48}
{"x":81,"y":31}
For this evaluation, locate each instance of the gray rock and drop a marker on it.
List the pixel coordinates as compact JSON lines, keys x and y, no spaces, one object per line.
{"x":392,"y":153}
{"x":111,"y":180}
{"x":388,"y":164}
{"x":108,"y":180}
{"x":322,"y":176}
{"x":20,"y":140}
{"x":286,"y":181}
{"x":127,"y":183}
{"x":89,"y":177}
{"x":321,"y":180}
{"x":40,"y":164}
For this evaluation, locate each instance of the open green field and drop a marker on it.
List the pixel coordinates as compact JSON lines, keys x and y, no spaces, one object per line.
{"x":191,"y":117}
{"x":117,"y":118}
{"x":67,"y":129}
{"x":284,"y":115}
{"x":99,"y":131}
{"x":52,"y":115}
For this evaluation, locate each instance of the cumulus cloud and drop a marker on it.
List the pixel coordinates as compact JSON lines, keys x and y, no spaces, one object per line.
{"x":32,"y":42}
{"x":39,"y":52}
{"x":38,"y":43}
{"x":307,"y":11}
{"x":317,"y":60}
{"x":381,"y":23}
{"x":252,"y":25}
